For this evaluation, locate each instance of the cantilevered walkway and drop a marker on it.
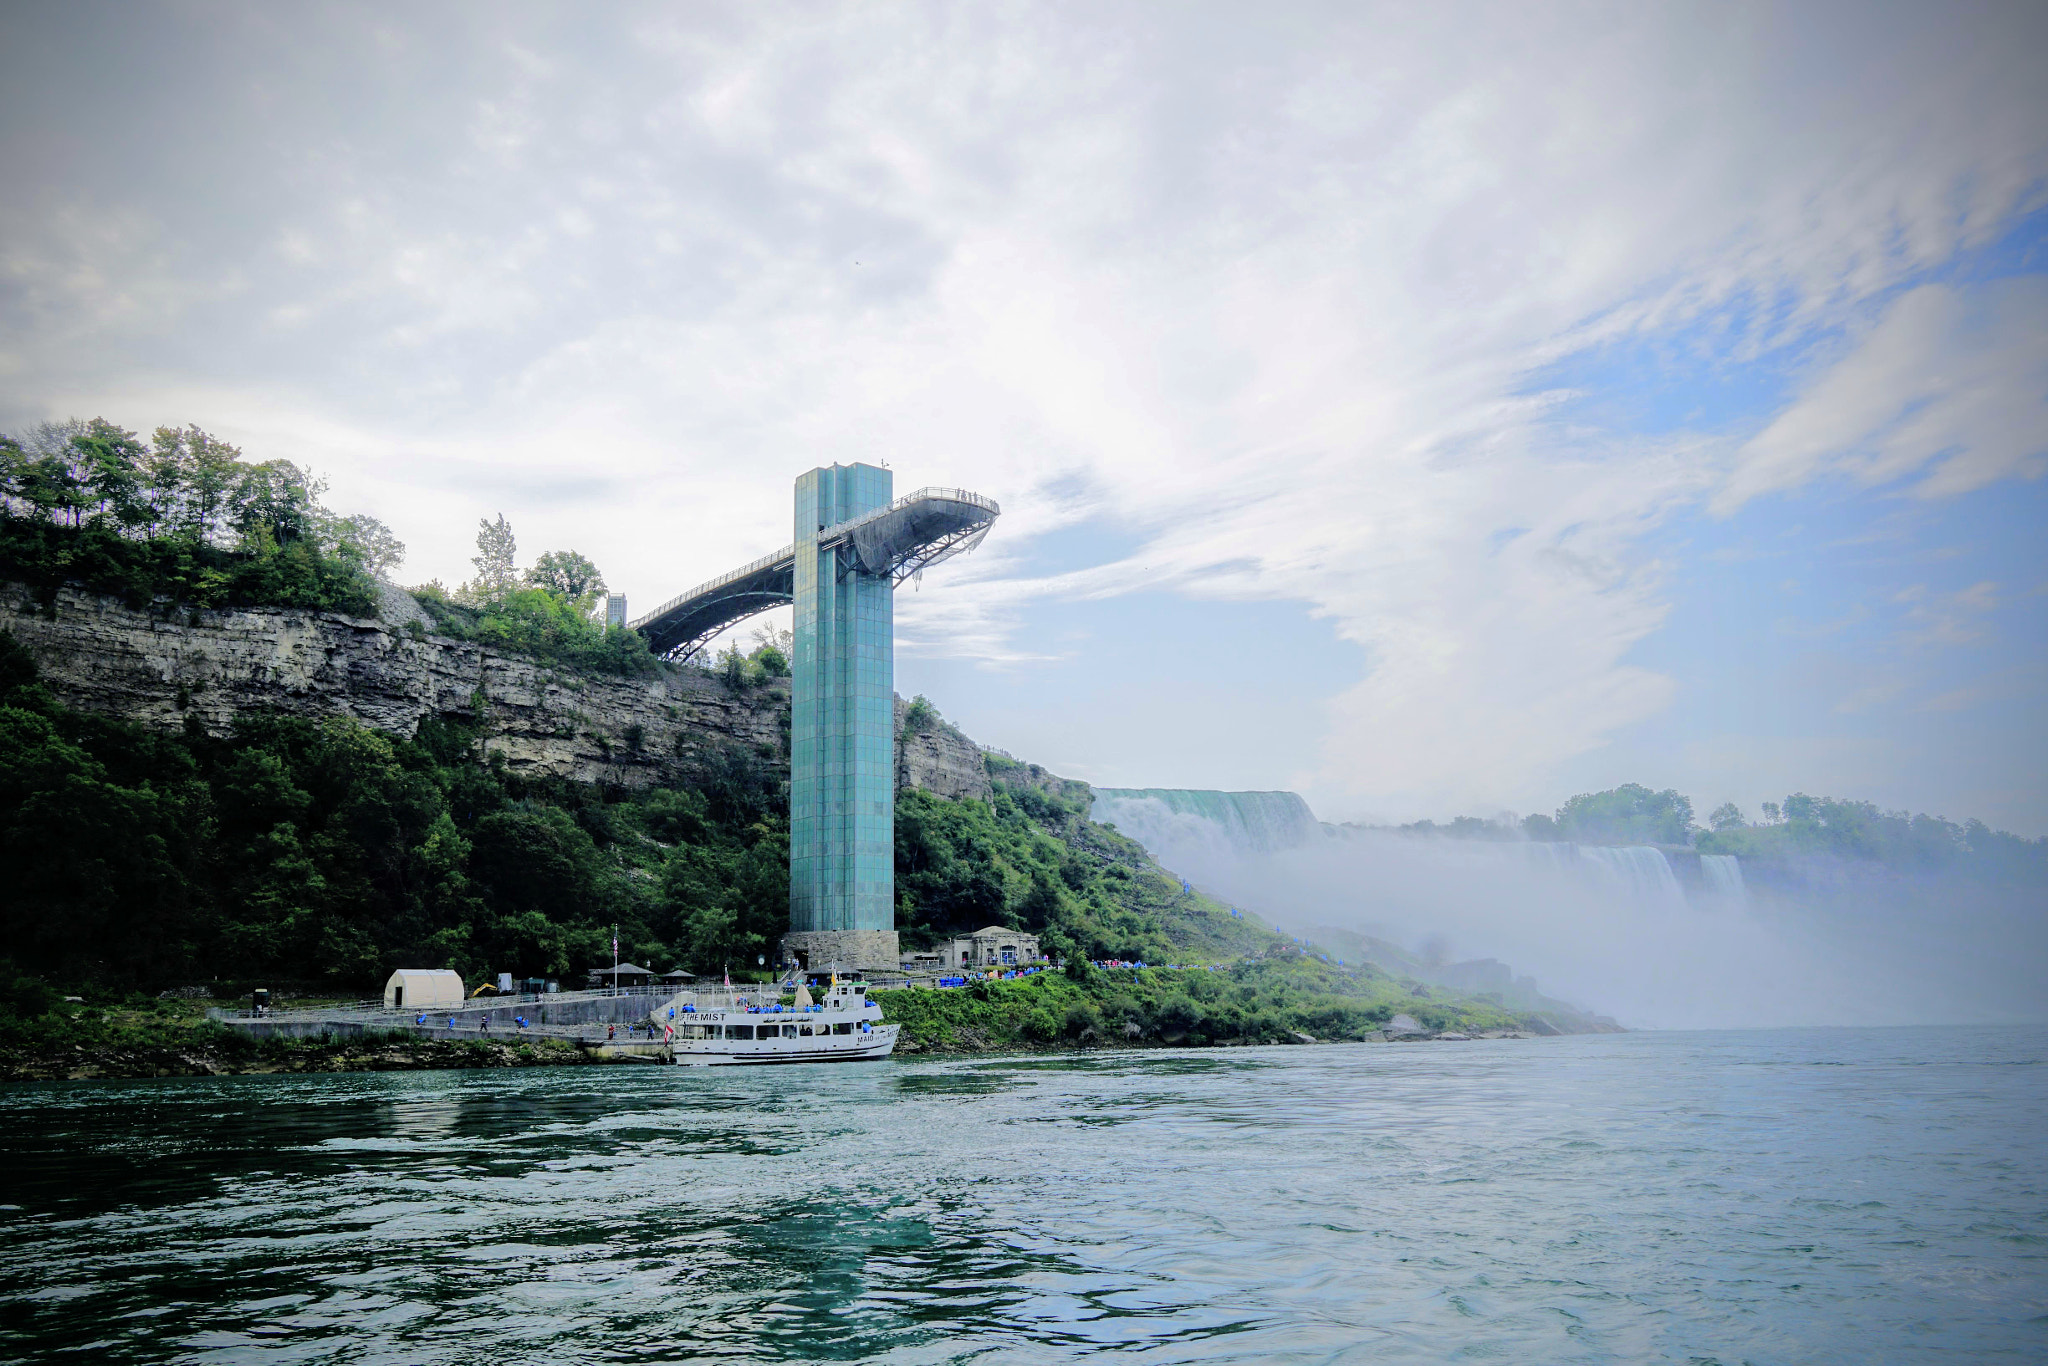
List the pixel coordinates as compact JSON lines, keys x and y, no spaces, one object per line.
{"x":899,"y":541}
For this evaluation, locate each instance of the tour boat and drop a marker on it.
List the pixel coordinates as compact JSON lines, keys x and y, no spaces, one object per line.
{"x":730,"y":1027}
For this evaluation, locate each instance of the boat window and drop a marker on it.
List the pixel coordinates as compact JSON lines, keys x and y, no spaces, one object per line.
{"x":739,"y":1031}
{"x":808,"y":1030}
{"x":843,"y":1027}
{"x":693,"y":1031}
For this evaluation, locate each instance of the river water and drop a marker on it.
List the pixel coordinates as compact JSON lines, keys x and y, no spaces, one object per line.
{"x":1772,"y":1196}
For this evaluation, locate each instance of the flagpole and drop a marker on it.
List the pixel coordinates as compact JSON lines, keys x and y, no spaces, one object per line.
{"x":615,"y":958}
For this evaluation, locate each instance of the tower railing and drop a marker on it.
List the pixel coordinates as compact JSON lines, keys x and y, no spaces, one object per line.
{"x":838,"y":530}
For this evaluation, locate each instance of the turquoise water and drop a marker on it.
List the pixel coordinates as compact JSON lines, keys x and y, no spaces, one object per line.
{"x":1791,"y":1196}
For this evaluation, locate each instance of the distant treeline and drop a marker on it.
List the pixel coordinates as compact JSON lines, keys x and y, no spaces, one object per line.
{"x":1798,"y":826}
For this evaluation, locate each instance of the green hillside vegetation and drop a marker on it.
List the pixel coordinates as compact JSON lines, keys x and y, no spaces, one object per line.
{"x":1265,"y":1000}
{"x":541,"y":625}
{"x":328,"y":853}
{"x":551,"y":612}
{"x":1033,"y":860}
{"x":324,"y":854}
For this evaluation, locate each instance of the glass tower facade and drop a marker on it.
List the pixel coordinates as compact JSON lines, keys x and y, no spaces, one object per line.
{"x":842,"y":769}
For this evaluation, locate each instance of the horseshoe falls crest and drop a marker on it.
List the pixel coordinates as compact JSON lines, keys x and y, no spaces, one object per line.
{"x":1250,"y":823}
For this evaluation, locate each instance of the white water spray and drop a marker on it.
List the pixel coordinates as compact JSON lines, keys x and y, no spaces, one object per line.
{"x":1623,"y":932}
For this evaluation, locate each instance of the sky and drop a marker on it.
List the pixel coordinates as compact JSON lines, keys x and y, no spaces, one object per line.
{"x":1433,"y":410}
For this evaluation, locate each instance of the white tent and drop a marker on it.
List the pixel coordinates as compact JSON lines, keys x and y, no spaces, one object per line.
{"x":422,"y":989}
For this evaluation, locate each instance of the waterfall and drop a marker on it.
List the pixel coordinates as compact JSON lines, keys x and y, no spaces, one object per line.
{"x":1554,"y":858}
{"x":1723,"y":873}
{"x":1246,"y":823}
{"x":1638,"y":871}
{"x":1641,"y":872}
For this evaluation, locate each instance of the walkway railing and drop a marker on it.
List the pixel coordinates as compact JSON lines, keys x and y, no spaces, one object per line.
{"x":710,"y":586}
{"x":353,"y":1010}
{"x":838,"y":531}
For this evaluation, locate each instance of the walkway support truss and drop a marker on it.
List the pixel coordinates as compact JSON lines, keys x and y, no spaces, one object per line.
{"x":897,"y":542}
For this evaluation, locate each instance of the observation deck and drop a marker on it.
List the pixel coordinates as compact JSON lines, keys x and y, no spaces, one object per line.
{"x":896,"y":542}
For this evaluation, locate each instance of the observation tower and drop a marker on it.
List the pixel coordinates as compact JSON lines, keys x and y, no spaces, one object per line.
{"x":853,"y":546}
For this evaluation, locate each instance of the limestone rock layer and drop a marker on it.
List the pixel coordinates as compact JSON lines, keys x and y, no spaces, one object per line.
{"x":159,"y":667}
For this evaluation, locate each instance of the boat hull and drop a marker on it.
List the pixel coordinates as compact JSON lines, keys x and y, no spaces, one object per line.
{"x":879,"y":1043}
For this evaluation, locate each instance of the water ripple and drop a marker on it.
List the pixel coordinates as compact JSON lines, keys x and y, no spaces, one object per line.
{"x":1810,"y":1196}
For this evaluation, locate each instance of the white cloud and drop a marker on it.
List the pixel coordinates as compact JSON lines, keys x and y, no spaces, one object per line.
{"x":1262,"y":289}
{"x":1951,"y":386}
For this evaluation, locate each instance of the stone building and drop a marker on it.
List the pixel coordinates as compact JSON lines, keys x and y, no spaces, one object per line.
{"x":993,"y":947}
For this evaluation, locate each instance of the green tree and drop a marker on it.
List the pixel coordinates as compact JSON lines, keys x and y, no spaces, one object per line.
{"x":276,"y":504}
{"x":165,"y":479}
{"x":535,"y":857}
{"x":1727,"y":816}
{"x":1629,"y":814}
{"x":110,"y":462}
{"x":210,"y":471}
{"x":369,"y":542}
{"x":497,"y":553}
{"x":51,"y":479}
{"x":773,"y":649}
{"x":568,"y":576}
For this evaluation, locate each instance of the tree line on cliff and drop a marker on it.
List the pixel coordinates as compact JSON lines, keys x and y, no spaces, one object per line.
{"x":183,"y":520}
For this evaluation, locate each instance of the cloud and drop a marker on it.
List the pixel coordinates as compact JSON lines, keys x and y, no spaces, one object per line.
{"x":1957,"y":618}
{"x":2001,"y":685}
{"x":1262,"y":290}
{"x":1949,"y":389}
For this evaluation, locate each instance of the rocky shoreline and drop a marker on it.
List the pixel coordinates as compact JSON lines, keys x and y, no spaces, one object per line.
{"x":128,"y":1061}
{"x":131,"y":1061}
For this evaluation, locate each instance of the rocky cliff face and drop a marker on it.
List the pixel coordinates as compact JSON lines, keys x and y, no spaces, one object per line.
{"x":99,"y":655}
{"x":939,"y":758}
